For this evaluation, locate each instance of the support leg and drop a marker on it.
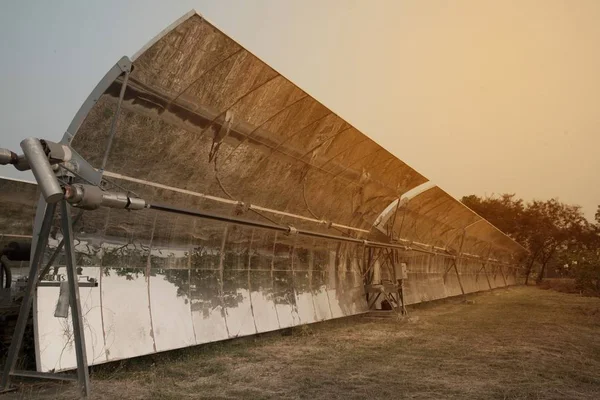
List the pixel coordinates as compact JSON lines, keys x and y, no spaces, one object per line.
{"x":458,"y":276}
{"x":503,"y":277}
{"x":83,"y":376}
{"x":401,"y":295}
{"x":17,"y":340}
{"x":487,"y":277}
{"x":372,"y":302}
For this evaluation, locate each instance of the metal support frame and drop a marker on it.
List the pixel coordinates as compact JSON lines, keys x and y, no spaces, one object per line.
{"x":392,"y":291}
{"x":486,"y":274}
{"x":74,"y":300}
{"x":503,"y":277}
{"x":457,"y":260}
{"x":448,"y":268}
{"x":27,"y":301}
{"x":483,"y":265}
{"x":117,"y":70}
{"x":393,"y":254}
{"x":42,"y":225}
{"x":113,"y":125}
{"x":84,"y":169}
{"x":458,"y":276}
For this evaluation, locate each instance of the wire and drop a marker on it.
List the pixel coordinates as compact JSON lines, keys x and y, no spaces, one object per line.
{"x":120,"y":187}
{"x":76,"y":174}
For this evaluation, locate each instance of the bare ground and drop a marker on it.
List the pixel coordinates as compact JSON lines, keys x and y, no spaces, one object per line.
{"x":520,"y":343}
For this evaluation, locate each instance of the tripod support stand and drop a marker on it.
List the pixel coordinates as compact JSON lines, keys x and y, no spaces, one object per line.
{"x":82,"y":376}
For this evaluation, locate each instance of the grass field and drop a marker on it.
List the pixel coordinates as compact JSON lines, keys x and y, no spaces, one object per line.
{"x":519,"y":343}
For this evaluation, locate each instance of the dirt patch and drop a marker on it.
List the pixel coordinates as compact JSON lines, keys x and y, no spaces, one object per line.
{"x":521,"y":343}
{"x":560,"y":285}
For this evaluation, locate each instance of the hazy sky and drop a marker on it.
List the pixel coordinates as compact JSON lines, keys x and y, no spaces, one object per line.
{"x":480,"y":96}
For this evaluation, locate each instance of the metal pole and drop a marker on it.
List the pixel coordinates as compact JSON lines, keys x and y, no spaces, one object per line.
{"x":267,"y":225}
{"x":80,"y":351}
{"x":17,"y":340}
{"x":113,"y":125}
{"x":486,"y":275}
{"x":40,"y":166}
{"x":391,"y":227}
{"x":458,"y":276}
{"x":457,"y":259}
{"x":503,"y":277}
{"x":487,"y":258}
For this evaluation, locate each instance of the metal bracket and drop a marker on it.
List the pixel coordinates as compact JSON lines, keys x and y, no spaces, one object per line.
{"x":125,"y":64}
{"x":92,"y":283}
{"x":84,"y":169}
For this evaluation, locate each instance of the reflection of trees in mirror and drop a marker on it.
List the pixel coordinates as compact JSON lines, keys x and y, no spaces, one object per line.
{"x":261,"y":259}
{"x":302,"y":258}
{"x":165,"y":259}
{"x":260,"y":265}
{"x":283,"y":288}
{"x":236,"y":258}
{"x":203,"y":257}
{"x":320,"y":263}
{"x":283,"y":279}
{"x":233,"y":281}
{"x":302,"y":281}
{"x":319,"y":280}
{"x":205,"y":290}
{"x":261,"y":281}
{"x":178,"y":277}
{"x":303,"y":263}
{"x":129,"y":273}
{"x":131,"y":254}
{"x":282,"y":257}
{"x":87,"y":254}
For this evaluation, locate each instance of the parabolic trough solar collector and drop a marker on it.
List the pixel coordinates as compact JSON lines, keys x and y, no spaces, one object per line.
{"x":206,"y":125}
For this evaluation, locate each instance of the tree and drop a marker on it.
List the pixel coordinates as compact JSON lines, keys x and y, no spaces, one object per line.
{"x":555,"y":226}
{"x":548,"y":229}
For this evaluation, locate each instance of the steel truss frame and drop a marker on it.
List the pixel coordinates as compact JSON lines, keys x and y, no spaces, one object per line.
{"x":82,"y":376}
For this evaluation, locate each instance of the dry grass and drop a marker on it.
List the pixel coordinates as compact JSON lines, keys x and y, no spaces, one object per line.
{"x":521,"y":343}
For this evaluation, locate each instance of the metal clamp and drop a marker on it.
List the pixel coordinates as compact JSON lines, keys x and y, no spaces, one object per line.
{"x":89,"y":197}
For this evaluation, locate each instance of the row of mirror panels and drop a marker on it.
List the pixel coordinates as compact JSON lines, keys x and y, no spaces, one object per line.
{"x":225,"y":281}
{"x":167,"y":281}
{"x":432,"y":277}
{"x":221,"y":281}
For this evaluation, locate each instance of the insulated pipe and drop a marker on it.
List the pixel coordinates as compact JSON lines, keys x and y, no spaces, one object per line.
{"x":89,"y":197}
{"x":280,"y":228}
{"x":19,"y":161}
{"x":42,"y":171}
{"x":291,"y":230}
{"x":7,"y":157}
